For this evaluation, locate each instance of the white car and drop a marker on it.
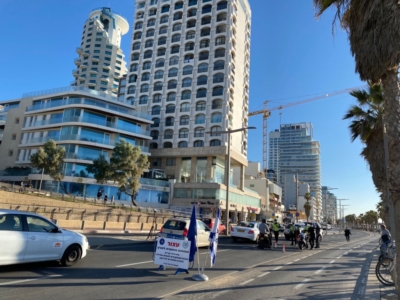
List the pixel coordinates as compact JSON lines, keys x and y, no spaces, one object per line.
{"x":179,"y":227}
{"x":27,"y":237}
{"x":245,"y":230}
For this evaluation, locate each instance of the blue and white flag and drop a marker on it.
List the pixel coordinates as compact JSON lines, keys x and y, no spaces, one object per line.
{"x":213,"y":239}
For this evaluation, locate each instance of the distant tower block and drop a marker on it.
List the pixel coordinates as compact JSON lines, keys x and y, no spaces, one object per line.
{"x":101,"y":61}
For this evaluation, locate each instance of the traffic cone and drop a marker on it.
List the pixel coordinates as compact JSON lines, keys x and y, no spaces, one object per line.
{"x":283,"y":248}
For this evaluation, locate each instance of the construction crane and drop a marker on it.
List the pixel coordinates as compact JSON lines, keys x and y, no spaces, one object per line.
{"x":266,"y":112}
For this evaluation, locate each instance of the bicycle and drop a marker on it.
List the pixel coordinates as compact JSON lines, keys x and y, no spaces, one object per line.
{"x":386,"y":264}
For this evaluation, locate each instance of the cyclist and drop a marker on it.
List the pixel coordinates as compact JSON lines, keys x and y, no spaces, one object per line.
{"x":347,"y":234}
{"x":386,"y":238}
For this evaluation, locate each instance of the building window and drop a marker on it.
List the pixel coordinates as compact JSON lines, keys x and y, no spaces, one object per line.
{"x":184,"y":120}
{"x":159,"y":74}
{"x":184,"y":133}
{"x":151,"y":22}
{"x":170,"y":108}
{"x":172,"y":84}
{"x":171,"y":97}
{"x":216,"y":104}
{"x":10,"y":152}
{"x":175,"y":49}
{"x":158,"y":86}
{"x":135,"y":57}
{"x":187,"y":82}
{"x":219,"y":77}
{"x":137,"y":36}
{"x":156,"y":110}
{"x":202,"y":80}
{"x":145,"y":76}
{"x":169,"y":121}
{"x":157,"y":98}
{"x":174,"y":60}
{"x":204,"y":44}
{"x":160,"y":63}
{"x":185,"y":107}
{"x":150,"y":33}
{"x":200,"y":106}
{"x":202,"y":68}
{"x":183,"y":144}
{"x":167,"y":145}
{"x":171,"y":161}
{"x":218,"y":91}
{"x":164,"y":19}
{"x":222,"y":5}
{"x":220,"y":41}
{"x":186,"y":95}
{"x":187,"y":70}
{"x":177,"y":16}
{"x":137,"y":26}
{"x":205,"y":32}
{"x":14,"y":136}
{"x":134,"y":68}
{"x":199,"y":132}
{"x":162,"y":41}
{"x":149,"y":43}
{"x":16,"y":120}
{"x":156,"y":122}
{"x":148,"y":54}
{"x":215,"y":143}
{"x":161,"y":52}
{"x":219,"y":53}
{"x":163,"y":30}
{"x":144,"y":88}
{"x":200,"y":119}
{"x":219,"y":65}
{"x":216,"y":118}
{"x":198,"y":144}
{"x":201,"y":93}
{"x":203,"y":55}
{"x":206,"y":9}
{"x":147,"y":65}
{"x":206,"y":20}
{"x":190,"y":35}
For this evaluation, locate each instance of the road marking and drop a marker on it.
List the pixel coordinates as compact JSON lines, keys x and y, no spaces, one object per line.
{"x":301,"y":284}
{"x":218,"y":251}
{"x":304,"y":257}
{"x":27,"y":280}
{"x":332,"y":261}
{"x":289,"y":263}
{"x":263,"y":274}
{"x":339,"y":256}
{"x":277,"y":268}
{"x":297,"y":259}
{"x":320,"y":270}
{"x":246,"y":282}
{"x":133,"y":264}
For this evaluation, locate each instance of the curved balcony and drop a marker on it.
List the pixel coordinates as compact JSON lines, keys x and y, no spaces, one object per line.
{"x":75,"y":72}
{"x":92,"y":122}
{"x":77,"y":61}
{"x":79,"y":50}
{"x":80,"y":139}
{"x":86,"y":53}
{"x":95,"y":59}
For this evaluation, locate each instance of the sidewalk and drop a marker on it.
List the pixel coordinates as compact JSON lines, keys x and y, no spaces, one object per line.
{"x":375,"y":289}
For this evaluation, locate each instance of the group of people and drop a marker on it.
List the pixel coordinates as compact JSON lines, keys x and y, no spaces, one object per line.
{"x":313,"y":231}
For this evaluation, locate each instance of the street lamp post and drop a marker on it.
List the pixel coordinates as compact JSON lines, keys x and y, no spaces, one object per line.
{"x":340,"y":212}
{"x":227,"y":171}
{"x":325,"y":211}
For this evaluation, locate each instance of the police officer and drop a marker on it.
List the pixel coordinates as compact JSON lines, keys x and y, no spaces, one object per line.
{"x":275,"y":228}
{"x":263,"y":227}
{"x":318,"y":234}
{"x":105,"y":199}
{"x":292,"y":234}
{"x":311,"y":233}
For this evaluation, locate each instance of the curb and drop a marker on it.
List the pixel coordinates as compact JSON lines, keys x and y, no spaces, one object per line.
{"x":143,"y":232}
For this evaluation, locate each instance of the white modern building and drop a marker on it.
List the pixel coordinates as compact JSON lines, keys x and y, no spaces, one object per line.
{"x":101,"y":62}
{"x":189,"y":69}
{"x":329,"y":205}
{"x":293,"y":151}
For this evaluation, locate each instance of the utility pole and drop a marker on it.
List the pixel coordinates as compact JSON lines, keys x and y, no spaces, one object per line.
{"x":340,"y":212}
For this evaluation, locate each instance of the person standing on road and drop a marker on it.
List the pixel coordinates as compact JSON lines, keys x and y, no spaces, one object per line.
{"x":292,"y":234}
{"x":311,"y":234}
{"x":275,"y":228}
{"x":318,"y":234}
{"x":347,"y":234}
{"x":386,"y":238}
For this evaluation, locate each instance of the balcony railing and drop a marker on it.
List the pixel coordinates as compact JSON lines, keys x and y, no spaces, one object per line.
{"x":80,"y":137}
{"x":86,"y":101}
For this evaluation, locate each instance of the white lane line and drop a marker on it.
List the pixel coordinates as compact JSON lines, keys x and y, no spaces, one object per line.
{"x":263,"y":274}
{"x":133,"y":264}
{"x":320,"y":270}
{"x":304,"y":257}
{"x":332,"y":261}
{"x":277,"y":268}
{"x":27,"y":280}
{"x":339,"y":256}
{"x":297,"y":259}
{"x":218,"y":251}
{"x":246,"y":282}
{"x":289,"y":263}
{"x":301,"y":284}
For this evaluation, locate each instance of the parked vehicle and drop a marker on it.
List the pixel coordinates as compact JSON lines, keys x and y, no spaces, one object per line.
{"x":245,"y":230}
{"x":286,"y":232}
{"x":179,"y":227}
{"x":210,"y":223}
{"x":28,"y":237}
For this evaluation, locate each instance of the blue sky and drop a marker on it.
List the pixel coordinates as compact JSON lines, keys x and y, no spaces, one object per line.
{"x":293,"y":57}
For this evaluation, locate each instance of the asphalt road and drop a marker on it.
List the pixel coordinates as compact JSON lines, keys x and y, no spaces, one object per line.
{"x":336,"y":271}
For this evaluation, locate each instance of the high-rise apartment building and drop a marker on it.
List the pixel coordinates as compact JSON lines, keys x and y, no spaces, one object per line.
{"x":329,"y":205}
{"x":101,"y":62}
{"x":294,"y":151}
{"x":189,"y":69}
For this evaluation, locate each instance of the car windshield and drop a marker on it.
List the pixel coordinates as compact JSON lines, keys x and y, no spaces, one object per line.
{"x":175,"y":225}
{"x":243,"y":224}
{"x":251,"y":225}
{"x":207,"y":221}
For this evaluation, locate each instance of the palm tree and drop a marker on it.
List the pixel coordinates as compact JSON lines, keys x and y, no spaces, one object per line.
{"x":373,"y":28}
{"x":366,"y":125}
{"x":307,"y":205}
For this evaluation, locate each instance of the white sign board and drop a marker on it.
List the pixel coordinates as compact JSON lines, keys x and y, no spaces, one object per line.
{"x":172,"y":253}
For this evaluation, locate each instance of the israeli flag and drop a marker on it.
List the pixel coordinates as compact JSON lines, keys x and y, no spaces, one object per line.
{"x":213,"y":239}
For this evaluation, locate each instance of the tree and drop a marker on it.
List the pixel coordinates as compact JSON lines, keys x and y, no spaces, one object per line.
{"x":351,"y":219}
{"x":126,"y":166}
{"x":367,"y":125}
{"x":101,"y":169}
{"x":50,"y":158}
{"x":307,"y":205}
{"x":373,"y":29}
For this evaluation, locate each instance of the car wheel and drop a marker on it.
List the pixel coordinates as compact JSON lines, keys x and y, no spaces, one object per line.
{"x":234,"y":239}
{"x":71,"y":256}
